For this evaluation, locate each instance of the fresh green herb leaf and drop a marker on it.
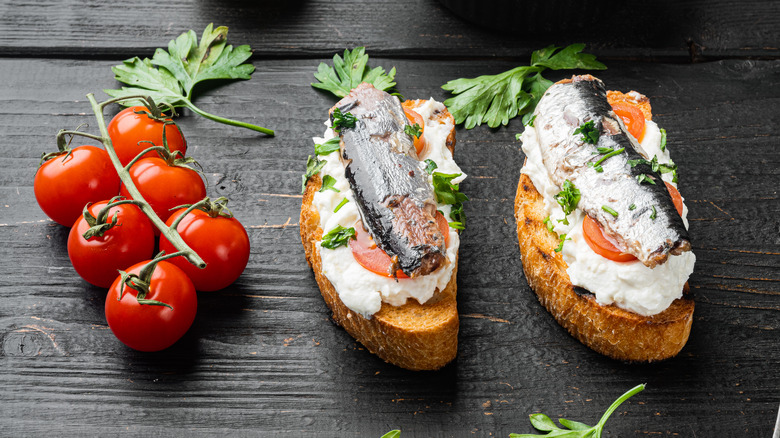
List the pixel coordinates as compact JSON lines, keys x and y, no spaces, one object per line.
{"x":457,"y":215}
{"x":494,"y":99}
{"x":313,"y":167}
{"x":611,"y":154}
{"x":644,"y":178}
{"x":328,"y":183}
{"x":170,"y":76}
{"x":341,"y":204}
{"x":342,"y":120}
{"x":638,"y":161}
{"x":448,"y":193}
{"x":392,"y":434}
{"x":597,"y":167}
{"x":603,"y":150}
{"x":663,"y":139}
{"x":430,"y":166}
{"x":569,"y":197}
{"x":530,"y":122}
{"x":574,"y":429}
{"x":653,"y":214}
{"x":562,"y":239}
{"x":349,"y":72}
{"x":518,"y":136}
{"x":413,"y":130}
{"x":457,"y":225}
{"x":330,"y":146}
{"x":337,"y":237}
{"x":632,"y":207}
{"x":564,"y":221}
{"x":590,"y":134}
{"x":609,"y":210}
{"x":549,"y":224}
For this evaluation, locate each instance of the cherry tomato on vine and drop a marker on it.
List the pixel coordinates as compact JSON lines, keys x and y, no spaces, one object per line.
{"x":130,"y":133}
{"x":98,"y":258}
{"x":222,"y":242}
{"x":66,"y":183}
{"x":165,"y":186}
{"x":152,"y":327}
{"x":371,"y":257}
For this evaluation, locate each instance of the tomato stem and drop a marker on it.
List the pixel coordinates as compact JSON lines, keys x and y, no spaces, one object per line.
{"x":219,"y":119}
{"x":124,"y":176}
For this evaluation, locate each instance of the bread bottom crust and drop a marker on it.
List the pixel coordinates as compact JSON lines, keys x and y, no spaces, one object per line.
{"x":609,"y":330}
{"x":413,"y":336}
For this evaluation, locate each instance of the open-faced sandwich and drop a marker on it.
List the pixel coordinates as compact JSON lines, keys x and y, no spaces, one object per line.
{"x":602,"y":228}
{"x":379,"y":224}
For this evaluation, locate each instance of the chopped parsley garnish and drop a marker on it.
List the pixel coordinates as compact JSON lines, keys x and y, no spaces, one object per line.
{"x":644,"y":178}
{"x":328,"y":183}
{"x":413,"y":130}
{"x":656,"y":166}
{"x":590,"y":134}
{"x":549,"y":224}
{"x":313,"y":167}
{"x":569,"y":197}
{"x":632,"y":207}
{"x":529,"y":122}
{"x":518,"y":136}
{"x":430,"y":166}
{"x":343,"y":120}
{"x":598,"y":168}
{"x":663,"y":139}
{"x":610,"y":154}
{"x":332,"y":145}
{"x":337,"y":237}
{"x":609,"y":210}
{"x":448,"y":193}
{"x":350,"y":71}
{"x":603,"y":150}
{"x":653,"y":214}
{"x":562,"y":239}
{"x":341,"y":204}
{"x":494,"y":99}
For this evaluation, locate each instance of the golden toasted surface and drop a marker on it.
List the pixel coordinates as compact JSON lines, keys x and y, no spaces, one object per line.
{"x":632,"y":97}
{"x":609,"y":330}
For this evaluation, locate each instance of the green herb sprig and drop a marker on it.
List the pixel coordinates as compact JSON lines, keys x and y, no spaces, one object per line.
{"x":330,"y":146}
{"x":329,"y":183}
{"x":169,"y":78}
{"x":430,"y":166}
{"x":495,"y":99}
{"x":590,"y":134}
{"x":349,"y":72}
{"x":337,"y":237}
{"x":562,"y":238}
{"x":575,"y":429}
{"x":413,"y":130}
{"x":313,"y":167}
{"x":343,"y":120}
{"x":448,"y":193}
{"x":568,"y":198}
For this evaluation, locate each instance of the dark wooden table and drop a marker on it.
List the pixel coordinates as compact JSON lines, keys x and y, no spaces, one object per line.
{"x":263,"y":357}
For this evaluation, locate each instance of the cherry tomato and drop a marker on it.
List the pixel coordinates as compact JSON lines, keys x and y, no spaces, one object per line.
{"x":165,"y":186}
{"x":676,"y":197}
{"x":222,"y":242}
{"x":147,"y":327}
{"x":371,"y":257}
{"x":414,"y":117}
{"x":65,"y":184}
{"x":131,"y":132}
{"x":632,"y":117}
{"x":98,"y":258}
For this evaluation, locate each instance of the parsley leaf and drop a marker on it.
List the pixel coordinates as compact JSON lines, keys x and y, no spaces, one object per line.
{"x":313,"y":167}
{"x":342,"y":120}
{"x":494,"y":99}
{"x":574,"y":429}
{"x":349,"y":72}
{"x":569,"y":197}
{"x":448,"y":193}
{"x":430,"y":166}
{"x":590,"y":134}
{"x":530,"y":121}
{"x":337,"y":237}
{"x":328,"y":183}
{"x":413,"y":130}
{"x":170,"y":76}
{"x":663,"y":139}
{"x":332,"y":145}
{"x":644,"y":178}
{"x":562,"y":239}
{"x":341,"y":204}
{"x":632,"y":207}
{"x":392,"y":434}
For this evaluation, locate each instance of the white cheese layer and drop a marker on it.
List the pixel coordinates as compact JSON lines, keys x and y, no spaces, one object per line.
{"x":360,"y":289}
{"x":629,"y":285}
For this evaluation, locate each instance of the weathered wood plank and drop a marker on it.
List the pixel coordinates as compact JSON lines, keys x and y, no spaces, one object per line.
{"x":263,"y":355}
{"x":401,"y":28}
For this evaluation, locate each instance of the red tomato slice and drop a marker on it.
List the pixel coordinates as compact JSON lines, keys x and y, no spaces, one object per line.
{"x":632,"y":117}
{"x":371,"y":257}
{"x":414,"y":117}
{"x":676,"y":197}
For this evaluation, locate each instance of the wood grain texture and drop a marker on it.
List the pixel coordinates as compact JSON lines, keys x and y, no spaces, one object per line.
{"x":667,"y":29}
{"x":263,"y":356}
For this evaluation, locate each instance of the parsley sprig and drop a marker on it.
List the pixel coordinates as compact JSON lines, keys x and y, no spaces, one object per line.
{"x":313,"y":167}
{"x":343,"y":120}
{"x":413,"y":130}
{"x":337,"y":237}
{"x":170,"y":76}
{"x":448,"y":193}
{"x":575,"y":429}
{"x":569,"y":197}
{"x":494,"y":99}
{"x":590,"y":134}
{"x":331,"y":145}
{"x":349,"y":72}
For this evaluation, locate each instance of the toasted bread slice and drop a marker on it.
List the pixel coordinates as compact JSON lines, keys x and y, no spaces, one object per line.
{"x":609,"y":330}
{"x":413,"y":336}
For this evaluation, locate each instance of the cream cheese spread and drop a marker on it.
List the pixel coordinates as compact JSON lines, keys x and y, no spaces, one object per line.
{"x":360,"y":289}
{"x":629,"y":285}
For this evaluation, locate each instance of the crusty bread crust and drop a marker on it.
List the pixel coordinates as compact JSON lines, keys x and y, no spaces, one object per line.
{"x":609,"y":330}
{"x":413,"y":336}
